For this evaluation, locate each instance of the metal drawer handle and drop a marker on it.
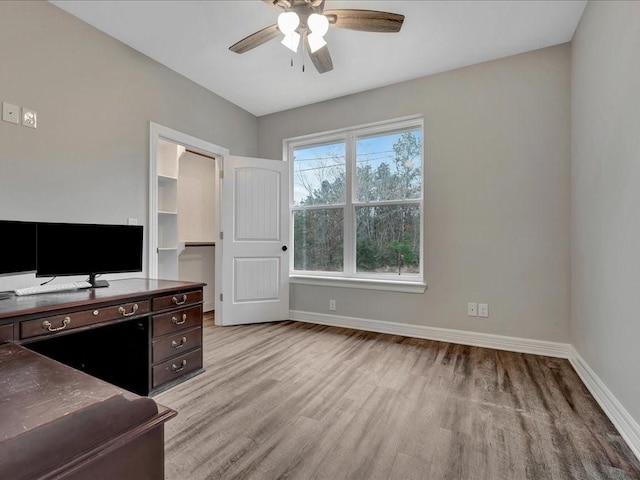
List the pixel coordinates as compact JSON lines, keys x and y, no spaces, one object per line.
{"x":177,"y":368}
{"x":179,"y":322}
{"x":124,"y":313}
{"x":47,"y":325}
{"x":177,"y":345}
{"x":179,"y":302}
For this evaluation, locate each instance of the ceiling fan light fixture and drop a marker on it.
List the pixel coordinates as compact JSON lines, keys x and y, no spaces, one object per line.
{"x":291,"y":41}
{"x":319,"y":26}
{"x":288,"y":23}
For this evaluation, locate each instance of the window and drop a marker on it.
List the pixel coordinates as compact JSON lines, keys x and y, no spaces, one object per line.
{"x":356,"y":206}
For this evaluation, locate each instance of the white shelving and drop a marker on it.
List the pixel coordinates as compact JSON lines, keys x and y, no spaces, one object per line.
{"x":167,"y":194}
{"x":168,"y":156}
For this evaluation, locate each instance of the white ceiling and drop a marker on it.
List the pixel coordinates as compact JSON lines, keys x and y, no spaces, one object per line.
{"x":193,"y":37}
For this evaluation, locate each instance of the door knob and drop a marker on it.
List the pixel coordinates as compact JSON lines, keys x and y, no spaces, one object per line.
{"x":284,"y":248}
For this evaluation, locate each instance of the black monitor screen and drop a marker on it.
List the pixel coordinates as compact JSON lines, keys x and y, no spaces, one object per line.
{"x":17,"y":247}
{"x":83,"y":249}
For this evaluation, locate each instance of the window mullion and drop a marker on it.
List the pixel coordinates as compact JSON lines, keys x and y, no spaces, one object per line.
{"x":386,"y":203}
{"x":317,"y":207}
{"x":349,"y":213}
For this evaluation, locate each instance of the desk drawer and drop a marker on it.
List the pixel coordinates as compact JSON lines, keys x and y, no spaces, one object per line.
{"x":176,"y":300}
{"x":170,"y":345}
{"x":6,"y":333}
{"x":176,"y":367}
{"x":177,"y":320}
{"x":69,"y":321}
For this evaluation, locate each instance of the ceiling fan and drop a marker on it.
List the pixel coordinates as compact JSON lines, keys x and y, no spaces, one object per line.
{"x":309,"y":21}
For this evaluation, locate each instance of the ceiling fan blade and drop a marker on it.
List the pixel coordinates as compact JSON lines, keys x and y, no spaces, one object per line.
{"x":255,"y":39}
{"x":365,"y":20}
{"x":321,"y":58}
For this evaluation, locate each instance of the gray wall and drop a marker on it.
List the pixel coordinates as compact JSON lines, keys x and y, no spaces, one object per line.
{"x":497,"y":145}
{"x":605,"y":182}
{"x":88,"y":159}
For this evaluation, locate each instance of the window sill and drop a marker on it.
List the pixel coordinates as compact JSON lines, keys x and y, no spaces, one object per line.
{"x":362,"y":283}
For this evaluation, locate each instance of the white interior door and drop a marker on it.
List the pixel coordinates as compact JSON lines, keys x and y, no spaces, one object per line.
{"x":255,"y":228}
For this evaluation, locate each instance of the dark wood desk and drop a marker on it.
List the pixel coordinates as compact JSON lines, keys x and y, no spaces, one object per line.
{"x":139,"y":334}
{"x":59,"y":423}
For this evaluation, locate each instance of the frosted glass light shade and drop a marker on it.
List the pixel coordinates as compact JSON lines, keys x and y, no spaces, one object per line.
{"x":288,"y":22}
{"x":316,"y":42}
{"x":291,"y":41}
{"x":319,"y":24}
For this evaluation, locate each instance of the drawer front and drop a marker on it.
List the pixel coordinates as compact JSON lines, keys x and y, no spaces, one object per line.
{"x":177,"y":320}
{"x":176,"y":367}
{"x":69,"y":321}
{"x":6,"y":333}
{"x":170,"y":345}
{"x":176,"y":300}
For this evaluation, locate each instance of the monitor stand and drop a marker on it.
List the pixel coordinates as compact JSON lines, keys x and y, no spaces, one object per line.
{"x":97,"y":283}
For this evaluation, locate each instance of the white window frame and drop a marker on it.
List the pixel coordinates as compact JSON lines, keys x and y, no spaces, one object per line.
{"x":411,"y":283}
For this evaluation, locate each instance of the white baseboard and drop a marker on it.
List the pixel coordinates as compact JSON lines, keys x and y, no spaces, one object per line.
{"x":208,"y":306}
{"x":619,"y":416}
{"x":499,"y":342}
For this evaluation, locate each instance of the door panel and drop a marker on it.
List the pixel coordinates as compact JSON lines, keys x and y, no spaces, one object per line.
{"x":254,"y":279}
{"x":256,"y":196}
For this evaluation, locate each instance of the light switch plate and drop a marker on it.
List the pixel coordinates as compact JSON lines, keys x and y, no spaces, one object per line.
{"x":10,"y":113}
{"x":472,"y":309}
{"x":29,"y":118}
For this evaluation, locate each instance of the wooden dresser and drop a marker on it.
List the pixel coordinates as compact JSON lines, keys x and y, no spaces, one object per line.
{"x":142,"y":335}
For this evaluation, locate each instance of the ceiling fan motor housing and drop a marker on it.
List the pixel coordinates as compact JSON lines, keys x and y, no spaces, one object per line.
{"x":290,"y":3}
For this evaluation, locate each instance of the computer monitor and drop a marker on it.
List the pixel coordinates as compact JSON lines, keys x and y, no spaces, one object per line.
{"x":88,"y":249}
{"x":17,"y":247}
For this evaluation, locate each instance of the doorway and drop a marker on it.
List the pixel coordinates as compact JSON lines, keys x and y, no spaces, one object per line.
{"x":184,"y":209}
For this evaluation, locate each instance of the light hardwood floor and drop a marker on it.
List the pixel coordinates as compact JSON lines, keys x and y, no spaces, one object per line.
{"x":299,"y":401}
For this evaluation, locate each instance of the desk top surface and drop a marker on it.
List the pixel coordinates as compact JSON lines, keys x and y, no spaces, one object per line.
{"x":36,"y":390}
{"x":117,"y":289}
{"x":51,"y":413}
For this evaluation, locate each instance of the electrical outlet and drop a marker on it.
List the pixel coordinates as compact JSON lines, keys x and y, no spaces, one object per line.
{"x":483,"y":310}
{"x":472,"y":309}
{"x":132,"y":221}
{"x":29,"y":118}
{"x":332,"y":305}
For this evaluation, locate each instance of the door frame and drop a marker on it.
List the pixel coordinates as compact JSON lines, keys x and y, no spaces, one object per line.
{"x":159,"y":132}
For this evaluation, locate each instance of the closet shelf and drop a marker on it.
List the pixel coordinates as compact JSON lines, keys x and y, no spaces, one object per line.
{"x":166,"y":178}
